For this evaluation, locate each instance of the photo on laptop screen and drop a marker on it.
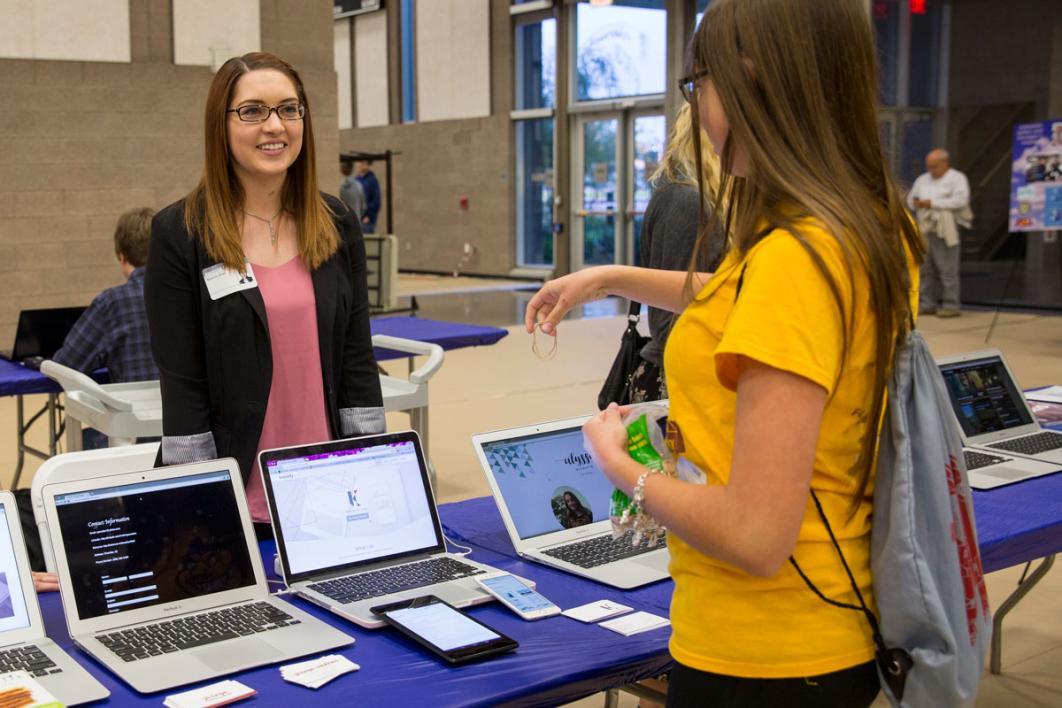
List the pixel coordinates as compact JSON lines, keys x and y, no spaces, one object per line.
{"x":13,"y":612}
{"x":549,"y":482}
{"x":138,"y":545}
{"x":984,"y":396}
{"x":345,"y":506}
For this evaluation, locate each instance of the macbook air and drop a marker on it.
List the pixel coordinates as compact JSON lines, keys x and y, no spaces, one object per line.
{"x":357,"y":526}
{"x":162,"y":580}
{"x":555,"y":504}
{"x":996,"y":421}
{"x":23,"y":644}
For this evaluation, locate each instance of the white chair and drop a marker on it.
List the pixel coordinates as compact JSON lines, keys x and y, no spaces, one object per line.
{"x":84,"y":464}
{"x":123,"y":412}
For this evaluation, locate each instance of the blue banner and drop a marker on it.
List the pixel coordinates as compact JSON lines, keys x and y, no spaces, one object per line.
{"x":1036,"y":177}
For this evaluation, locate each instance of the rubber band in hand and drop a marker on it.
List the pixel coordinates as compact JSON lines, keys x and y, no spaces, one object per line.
{"x":537,"y":350}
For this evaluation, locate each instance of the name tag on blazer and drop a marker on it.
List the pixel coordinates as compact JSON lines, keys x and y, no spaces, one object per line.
{"x":222,"y":281}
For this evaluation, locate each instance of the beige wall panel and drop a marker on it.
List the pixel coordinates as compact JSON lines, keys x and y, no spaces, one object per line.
{"x":65,"y":29}
{"x":370,"y":65}
{"x":341,"y":43}
{"x":205,"y":28}
{"x":453,"y":59}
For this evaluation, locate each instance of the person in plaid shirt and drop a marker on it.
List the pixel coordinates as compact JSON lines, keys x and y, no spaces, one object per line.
{"x":113,"y":331}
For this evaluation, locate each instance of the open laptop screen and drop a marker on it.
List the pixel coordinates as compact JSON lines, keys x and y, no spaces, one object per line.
{"x":548,"y":481}
{"x":137,"y":545}
{"x":984,"y":396}
{"x":354,"y":503}
{"x":13,"y":613}
{"x":41,"y":332}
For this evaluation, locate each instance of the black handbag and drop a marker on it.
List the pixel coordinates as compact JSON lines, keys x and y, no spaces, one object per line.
{"x":617,"y":386}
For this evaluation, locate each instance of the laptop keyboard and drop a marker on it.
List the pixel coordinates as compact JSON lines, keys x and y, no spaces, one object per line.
{"x":602,"y":549}
{"x":27,"y":658}
{"x":977,"y":460}
{"x":377,"y":583}
{"x":196,"y":630}
{"x":1031,"y":444}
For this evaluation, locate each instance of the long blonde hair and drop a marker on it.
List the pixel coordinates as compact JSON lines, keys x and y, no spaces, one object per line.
{"x":679,"y":165}
{"x":797,"y":80}
{"x":210,"y":210}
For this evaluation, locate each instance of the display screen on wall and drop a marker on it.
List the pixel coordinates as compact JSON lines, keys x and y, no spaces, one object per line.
{"x":1036,"y":177}
{"x":346,"y":8}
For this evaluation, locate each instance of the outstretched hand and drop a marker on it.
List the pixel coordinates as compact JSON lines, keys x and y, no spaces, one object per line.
{"x":558,"y":297}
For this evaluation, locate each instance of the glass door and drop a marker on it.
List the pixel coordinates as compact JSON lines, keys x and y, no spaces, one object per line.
{"x":614,"y":155}
{"x":647,"y":140}
{"x":597,"y":191}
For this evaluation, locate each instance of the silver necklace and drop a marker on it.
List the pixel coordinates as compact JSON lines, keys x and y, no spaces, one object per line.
{"x":273,"y":235}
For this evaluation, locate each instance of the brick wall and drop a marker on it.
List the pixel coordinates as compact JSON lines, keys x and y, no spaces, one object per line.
{"x":442,"y":161}
{"x":91,"y":140}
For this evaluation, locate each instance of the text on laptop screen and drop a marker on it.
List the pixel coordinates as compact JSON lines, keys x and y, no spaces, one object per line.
{"x":351,"y":506}
{"x":984,"y":396}
{"x":13,"y":613}
{"x":549,"y":482}
{"x":138,"y":545}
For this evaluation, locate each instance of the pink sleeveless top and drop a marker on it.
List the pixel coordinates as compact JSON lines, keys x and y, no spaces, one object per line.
{"x":296,"y":413}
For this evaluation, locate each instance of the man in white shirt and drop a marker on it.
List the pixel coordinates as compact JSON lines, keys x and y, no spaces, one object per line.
{"x":940,"y":199}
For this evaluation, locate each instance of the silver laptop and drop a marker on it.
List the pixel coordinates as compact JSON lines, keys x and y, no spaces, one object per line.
{"x":555,"y":504}
{"x":357,"y":526}
{"x":23,"y":644}
{"x":162,"y":580}
{"x":1005,"y":442}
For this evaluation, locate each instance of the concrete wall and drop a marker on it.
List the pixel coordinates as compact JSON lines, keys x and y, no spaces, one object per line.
{"x":443,"y":160}
{"x":92,"y":139}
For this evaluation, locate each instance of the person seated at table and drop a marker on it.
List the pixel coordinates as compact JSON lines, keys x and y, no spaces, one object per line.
{"x":113,"y":330}
{"x":285,"y":357}
{"x":777,"y":366}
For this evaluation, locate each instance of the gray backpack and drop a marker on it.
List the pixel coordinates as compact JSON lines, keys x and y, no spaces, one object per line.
{"x":934,"y":625}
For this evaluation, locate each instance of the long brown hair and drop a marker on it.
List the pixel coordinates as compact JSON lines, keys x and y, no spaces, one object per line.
{"x":797,"y":80}
{"x":211,"y":208}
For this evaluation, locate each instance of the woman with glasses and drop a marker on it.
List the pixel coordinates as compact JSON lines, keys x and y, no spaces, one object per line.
{"x":256,"y":288}
{"x":777,"y":365}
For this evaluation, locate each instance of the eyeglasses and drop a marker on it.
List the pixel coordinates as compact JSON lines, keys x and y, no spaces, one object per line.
{"x":259,"y":113}
{"x":688,"y":84}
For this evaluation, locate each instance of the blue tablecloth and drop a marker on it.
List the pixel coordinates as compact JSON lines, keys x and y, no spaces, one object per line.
{"x":17,"y":380}
{"x":448,"y":335}
{"x":559,"y":659}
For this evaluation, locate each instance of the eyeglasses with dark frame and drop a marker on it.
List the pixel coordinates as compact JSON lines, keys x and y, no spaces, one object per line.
{"x":688,"y":84}
{"x":259,"y":113}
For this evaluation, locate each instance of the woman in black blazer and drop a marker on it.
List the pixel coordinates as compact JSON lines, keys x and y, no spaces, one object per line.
{"x":239,"y":364}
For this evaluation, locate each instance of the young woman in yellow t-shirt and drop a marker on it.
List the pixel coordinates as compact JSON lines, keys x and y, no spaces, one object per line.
{"x":777,"y":367}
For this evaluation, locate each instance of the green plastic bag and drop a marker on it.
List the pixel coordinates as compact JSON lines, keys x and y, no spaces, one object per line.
{"x":646,"y":445}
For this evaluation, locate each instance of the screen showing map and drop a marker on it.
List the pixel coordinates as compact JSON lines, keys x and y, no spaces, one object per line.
{"x":351,"y":506}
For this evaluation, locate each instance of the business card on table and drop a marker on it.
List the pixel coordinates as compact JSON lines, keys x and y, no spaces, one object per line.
{"x":18,"y":688}
{"x":636,"y":623}
{"x":317,"y":672}
{"x":597,"y":611}
{"x":216,"y":694}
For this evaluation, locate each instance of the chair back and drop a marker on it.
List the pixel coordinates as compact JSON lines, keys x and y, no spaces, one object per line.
{"x":84,"y":464}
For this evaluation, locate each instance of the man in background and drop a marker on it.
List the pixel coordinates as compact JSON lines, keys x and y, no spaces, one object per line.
{"x":350,"y":190}
{"x":113,"y":331}
{"x":940,"y":199}
{"x":371,"y":187}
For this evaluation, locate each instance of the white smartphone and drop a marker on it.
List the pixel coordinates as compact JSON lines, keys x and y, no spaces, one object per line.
{"x":519,"y":598}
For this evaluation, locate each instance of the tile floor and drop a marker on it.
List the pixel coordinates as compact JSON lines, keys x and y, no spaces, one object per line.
{"x":506,"y":385}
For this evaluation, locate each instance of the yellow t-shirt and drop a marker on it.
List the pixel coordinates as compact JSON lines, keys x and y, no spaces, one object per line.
{"x":725,"y":620}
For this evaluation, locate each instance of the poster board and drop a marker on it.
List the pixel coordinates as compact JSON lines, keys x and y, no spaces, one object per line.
{"x":1036,"y":177}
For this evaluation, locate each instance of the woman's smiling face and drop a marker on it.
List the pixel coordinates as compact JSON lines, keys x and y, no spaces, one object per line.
{"x":265,"y":149}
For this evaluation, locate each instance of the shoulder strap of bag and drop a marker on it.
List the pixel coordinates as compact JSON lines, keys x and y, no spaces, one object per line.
{"x":634,"y":311}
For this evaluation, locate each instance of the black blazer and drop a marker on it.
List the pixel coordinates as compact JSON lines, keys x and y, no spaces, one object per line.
{"x":214,"y":356}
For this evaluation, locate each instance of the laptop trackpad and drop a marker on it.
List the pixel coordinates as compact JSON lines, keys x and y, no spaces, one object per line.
{"x":238,"y":654}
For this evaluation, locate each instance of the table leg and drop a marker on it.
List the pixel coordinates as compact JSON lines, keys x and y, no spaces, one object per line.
{"x":996,"y":660}
{"x":53,"y":412}
{"x":20,"y":416}
{"x":612,"y":698}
